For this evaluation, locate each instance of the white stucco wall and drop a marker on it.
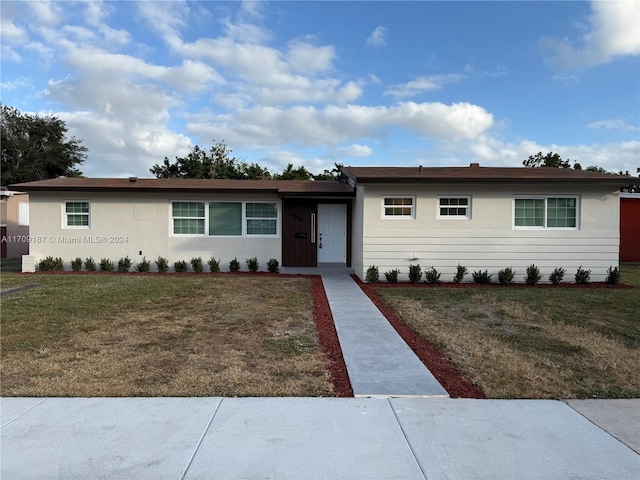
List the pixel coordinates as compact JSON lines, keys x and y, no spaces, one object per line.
{"x":139,"y":225}
{"x":488,"y":240}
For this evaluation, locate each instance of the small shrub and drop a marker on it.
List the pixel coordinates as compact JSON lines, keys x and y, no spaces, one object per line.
{"x":143,"y":265}
{"x":76,"y":264}
{"x":214,"y":265}
{"x":392,"y":275}
{"x":481,"y":277}
{"x":180,"y":266}
{"x":196,"y":264}
{"x":89,"y":264}
{"x":557,"y":275}
{"x":373,"y":275}
{"x":460,"y":273}
{"x":613,"y":276}
{"x":505,"y":276}
{"x":582,"y":275}
{"x":415,"y":273}
{"x":273,"y":265}
{"x":106,"y":265}
{"x":124,"y":264}
{"x":533,"y":275}
{"x":162,"y":264}
{"x":49,"y":264}
{"x":234,"y":265}
{"x":252,"y":264}
{"x":432,"y":276}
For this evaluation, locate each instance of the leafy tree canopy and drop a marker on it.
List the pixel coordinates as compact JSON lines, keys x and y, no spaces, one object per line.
{"x":34,"y":148}
{"x":549,"y":160}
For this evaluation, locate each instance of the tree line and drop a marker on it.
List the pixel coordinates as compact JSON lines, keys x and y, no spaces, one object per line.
{"x":36,"y":148}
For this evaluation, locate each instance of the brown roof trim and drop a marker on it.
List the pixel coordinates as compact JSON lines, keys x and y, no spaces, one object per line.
{"x":477,"y":174}
{"x":173,"y":185}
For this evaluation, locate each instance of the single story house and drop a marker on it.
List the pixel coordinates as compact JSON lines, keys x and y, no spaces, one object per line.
{"x":391,"y":217}
{"x":630,"y":227}
{"x":14,"y":223}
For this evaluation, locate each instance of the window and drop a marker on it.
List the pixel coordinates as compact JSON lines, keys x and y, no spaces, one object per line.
{"x":225,"y":218}
{"x":454,"y":207}
{"x":23,"y":214}
{"x":188,"y":218}
{"x":546,"y":212}
{"x":262,"y":218}
{"x":76,"y":214}
{"x":398,"y":207}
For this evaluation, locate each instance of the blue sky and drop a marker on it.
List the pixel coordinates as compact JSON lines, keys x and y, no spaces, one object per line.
{"x":313,"y":83}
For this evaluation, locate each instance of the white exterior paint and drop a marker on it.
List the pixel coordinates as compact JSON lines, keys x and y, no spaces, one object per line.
{"x":488,"y":240}
{"x":127,"y":224}
{"x":332,"y":233}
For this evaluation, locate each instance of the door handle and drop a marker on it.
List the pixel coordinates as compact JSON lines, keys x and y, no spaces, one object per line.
{"x":313,"y":228}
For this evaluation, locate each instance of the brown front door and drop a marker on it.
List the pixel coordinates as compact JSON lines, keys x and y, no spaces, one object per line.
{"x":299,"y":248}
{"x":4,"y":240}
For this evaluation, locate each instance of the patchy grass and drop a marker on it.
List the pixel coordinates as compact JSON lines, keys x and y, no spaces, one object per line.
{"x":160,"y":335}
{"x":518,"y":342}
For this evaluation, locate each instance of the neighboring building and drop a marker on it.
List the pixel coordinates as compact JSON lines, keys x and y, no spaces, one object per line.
{"x":14,"y":223}
{"x":479,"y":217}
{"x":630,"y":227}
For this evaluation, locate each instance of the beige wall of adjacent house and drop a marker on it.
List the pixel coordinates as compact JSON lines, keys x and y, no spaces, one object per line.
{"x":138,"y":226}
{"x":488,"y":240}
{"x":17,"y":235}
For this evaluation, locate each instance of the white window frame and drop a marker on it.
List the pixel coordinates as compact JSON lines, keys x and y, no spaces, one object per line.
{"x":466,"y":216}
{"x":172,"y":218}
{"x":412,"y":216}
{"x":65,"y":218}
{"x":23,"y":214}
{"x":244,"y":219}
{"x":545,"y":198}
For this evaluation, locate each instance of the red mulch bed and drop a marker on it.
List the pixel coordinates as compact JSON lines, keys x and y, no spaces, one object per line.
{"x":449,"y":376}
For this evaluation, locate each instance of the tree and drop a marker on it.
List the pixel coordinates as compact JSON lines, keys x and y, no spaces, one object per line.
{"x":217,"y":163}
{"x":35,"y":148}
{"x":333,"y":174}
{"x":549,"y":160}
{"x":290,"y":173}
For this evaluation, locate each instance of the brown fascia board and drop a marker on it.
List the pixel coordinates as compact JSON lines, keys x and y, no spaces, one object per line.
{"x":477,"y":174}
{"x":175,"y":185}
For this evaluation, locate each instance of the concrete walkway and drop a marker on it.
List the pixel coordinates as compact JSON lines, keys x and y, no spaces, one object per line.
{"x":307,"y":438}
{"x":378,"y":361}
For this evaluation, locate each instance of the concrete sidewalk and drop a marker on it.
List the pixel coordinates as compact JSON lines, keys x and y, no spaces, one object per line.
{"x":378,"y":361}
{"x":307,"y":438}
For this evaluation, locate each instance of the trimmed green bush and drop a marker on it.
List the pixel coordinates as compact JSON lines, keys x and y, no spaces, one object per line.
{"x":392,"y":275}
{"x":89,"y":264}
{"x":214,"y":265}
{"x":162,"y":264}
{"x":582,"y":276}
{"x":50,"y":264}
{"x":481,"y":277}
{"x":460,"y":273}
{"x":273,"y":266}
{"x":196,"y":264}
{"x":106,"y":265}
{"x":533,"y":275}
{"x":252,"y":264}
{"x":143,"y":265}
{"x":505,"y":276}
{"x":613,"y":276}
{"x":373,"y":275}
{"x":415,"y":273}
{"x":124,"y":264}
{"x":180,"y":266}
{"x":557,"y":275}
{"x":234,"y":265}
{"x":432,"y":276}
{"x":76,"y":264}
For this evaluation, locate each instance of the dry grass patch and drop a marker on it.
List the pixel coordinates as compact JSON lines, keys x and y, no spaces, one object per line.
{"x":192,"y":335}
{"x":534,"y":342}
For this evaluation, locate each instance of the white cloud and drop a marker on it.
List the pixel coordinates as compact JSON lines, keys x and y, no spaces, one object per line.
{"x":613,"y":31}
{"x":422,"y":84}
{"x":304,"y":57}
{"x":356,"y":150}
{"x":613,"y":124}
{"x":378,"y":37}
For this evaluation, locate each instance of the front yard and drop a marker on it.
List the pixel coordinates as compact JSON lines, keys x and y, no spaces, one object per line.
{"x":160,"y":335}
{"x":523,"y":342}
